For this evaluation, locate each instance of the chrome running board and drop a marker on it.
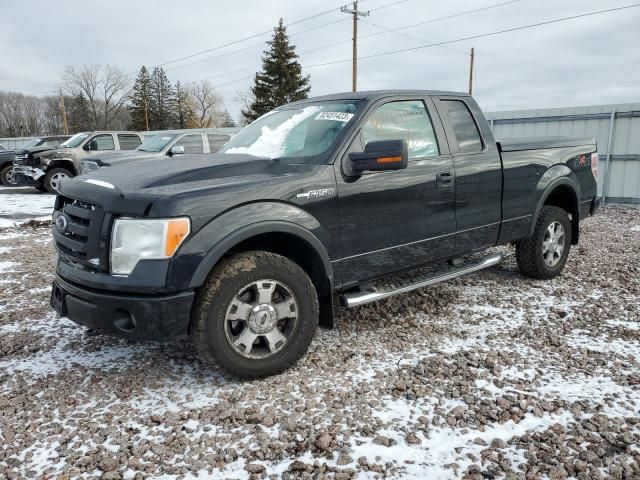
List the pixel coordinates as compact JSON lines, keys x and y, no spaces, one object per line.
{"x":373,"y":293}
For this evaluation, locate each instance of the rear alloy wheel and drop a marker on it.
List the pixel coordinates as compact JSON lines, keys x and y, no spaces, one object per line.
{"x":7,"y":176}
{"x":545,"y":253}
{"x":53,"y":178}
{"x":256,"y":314}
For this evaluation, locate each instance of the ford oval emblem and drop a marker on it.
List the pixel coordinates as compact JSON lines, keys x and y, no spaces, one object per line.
{"x":61,"y":223}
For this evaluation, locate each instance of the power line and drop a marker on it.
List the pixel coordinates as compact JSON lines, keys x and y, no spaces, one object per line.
{"x":256,"y":45}
{"x":387,"y":30}
{"x":472,"y":37}
{"x":235,"y":42}
{"x":406,"y":35}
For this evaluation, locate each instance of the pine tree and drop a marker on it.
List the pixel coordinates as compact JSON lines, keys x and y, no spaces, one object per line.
{"x":140,"y":101}
{"x":183,"y":109}
{"x":78,"y":114}
{"x":280,"y":80}
{"x":162,"y":101}
{"x":226,"y":120}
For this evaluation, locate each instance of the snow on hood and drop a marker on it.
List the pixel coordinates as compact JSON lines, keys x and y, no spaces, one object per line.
{"x":271,"y":143}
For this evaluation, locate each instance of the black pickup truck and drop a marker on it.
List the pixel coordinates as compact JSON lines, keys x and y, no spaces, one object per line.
{"x":364,"y":195}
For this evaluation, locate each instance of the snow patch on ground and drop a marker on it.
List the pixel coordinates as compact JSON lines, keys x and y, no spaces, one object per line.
{"x":579,"y":339}
{"x":24,"y":205}
{"x":6,"y":267}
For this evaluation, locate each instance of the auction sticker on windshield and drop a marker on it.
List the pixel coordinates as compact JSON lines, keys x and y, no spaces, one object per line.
{"x":335,"y":116}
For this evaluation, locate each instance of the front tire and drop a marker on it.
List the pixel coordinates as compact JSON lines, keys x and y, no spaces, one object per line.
{"x":545,"y":253}
{"x":7,"y":176}
{"x":255,"y":315}
{"x":53,"y":177}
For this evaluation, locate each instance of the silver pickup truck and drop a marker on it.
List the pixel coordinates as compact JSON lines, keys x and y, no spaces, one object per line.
{"x":46,"y":171}
{"x":165,"y":144}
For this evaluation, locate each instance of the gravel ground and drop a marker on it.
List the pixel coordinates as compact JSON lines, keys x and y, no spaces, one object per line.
{"x":490,"y":375}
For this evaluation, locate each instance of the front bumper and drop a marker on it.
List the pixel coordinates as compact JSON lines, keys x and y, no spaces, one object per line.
{"x":27,"y":175}
{"x":139,"y":317}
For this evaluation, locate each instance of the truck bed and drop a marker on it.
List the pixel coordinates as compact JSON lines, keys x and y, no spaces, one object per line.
{"x":538,"y":143}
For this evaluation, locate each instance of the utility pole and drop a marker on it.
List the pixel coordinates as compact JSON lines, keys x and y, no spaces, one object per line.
{"x":471,"y":71}
{"x":146,"y":113}
{"x":64,"y":114}
{"x":356,"y":13}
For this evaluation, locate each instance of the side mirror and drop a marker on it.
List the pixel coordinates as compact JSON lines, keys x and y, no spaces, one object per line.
{"x":89,"y":146}
{"x":380,"y":155}
{"x":176,"y":150}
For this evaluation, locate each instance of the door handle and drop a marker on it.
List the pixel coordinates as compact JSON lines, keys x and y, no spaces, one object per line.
{"x":444,"y":179}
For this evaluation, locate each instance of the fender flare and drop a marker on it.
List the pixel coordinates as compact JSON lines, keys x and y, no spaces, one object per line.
{"x":551,"y":186}
{"x":222,"y":246}
{"x":63,"y":163}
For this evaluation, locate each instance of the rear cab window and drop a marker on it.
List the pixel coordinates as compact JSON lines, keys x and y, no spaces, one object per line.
{"x":128,"y":141}
{"x":217,"y":141}
{"x":467,"y":137}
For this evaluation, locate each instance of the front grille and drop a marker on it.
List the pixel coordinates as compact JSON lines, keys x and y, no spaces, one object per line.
{"x":83,"y":237}
{"x":20,"y":159}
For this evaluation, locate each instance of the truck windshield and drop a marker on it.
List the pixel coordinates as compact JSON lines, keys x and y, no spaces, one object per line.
{"x":75,"y":140}
{"x":305,"y":134}
{"x":157,"y":143}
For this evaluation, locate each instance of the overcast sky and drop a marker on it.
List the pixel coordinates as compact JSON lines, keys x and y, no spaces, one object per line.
{"x":594,"y":60}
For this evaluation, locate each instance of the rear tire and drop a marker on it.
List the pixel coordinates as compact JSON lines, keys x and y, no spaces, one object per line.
{"x":255,"y":315}
{"x":53,"y":177}
{"x":545,"y":253}
{"x":6,"y":176}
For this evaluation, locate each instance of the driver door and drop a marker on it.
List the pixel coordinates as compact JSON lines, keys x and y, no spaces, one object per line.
{"x":395,"y":220}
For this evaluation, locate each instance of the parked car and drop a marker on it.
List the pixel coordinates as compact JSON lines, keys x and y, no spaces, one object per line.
{"x":65,"y":161}
{"x":365,"y":195}
{"x":165,"y":144}
{"x":29,"y":154}
{"x":6,"y":166}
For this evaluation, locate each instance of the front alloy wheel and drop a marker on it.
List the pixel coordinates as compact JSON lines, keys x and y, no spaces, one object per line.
{"x":261,"y":318}
{"x":255,"y":315}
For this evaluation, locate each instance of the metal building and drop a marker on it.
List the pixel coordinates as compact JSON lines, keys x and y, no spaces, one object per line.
{"x":615,"y":127}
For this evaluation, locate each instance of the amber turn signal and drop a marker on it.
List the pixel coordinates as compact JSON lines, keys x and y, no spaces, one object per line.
{"x":389,"y":159}
{"x":177,"y":231}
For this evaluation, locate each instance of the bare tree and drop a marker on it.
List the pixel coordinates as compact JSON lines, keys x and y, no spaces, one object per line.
{"x":106,"y":89}
{"x":245,"y":99}
{"x":206,"y":103}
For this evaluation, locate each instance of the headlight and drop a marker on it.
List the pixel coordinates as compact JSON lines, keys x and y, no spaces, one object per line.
{"x":133,"y":240}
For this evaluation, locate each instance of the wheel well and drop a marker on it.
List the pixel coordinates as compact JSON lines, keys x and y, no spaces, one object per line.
{"x":565,"y":197}
{"x":66,"y":164}
{"x":296,"y":249}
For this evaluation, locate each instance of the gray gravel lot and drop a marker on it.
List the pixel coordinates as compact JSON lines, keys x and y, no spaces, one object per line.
{"x":491,"y":375}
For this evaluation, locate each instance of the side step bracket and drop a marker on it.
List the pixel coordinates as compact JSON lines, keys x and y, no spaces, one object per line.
{"x":373,"y":293}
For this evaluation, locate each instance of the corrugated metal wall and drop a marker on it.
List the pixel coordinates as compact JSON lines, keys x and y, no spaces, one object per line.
{"x":623,"y":182}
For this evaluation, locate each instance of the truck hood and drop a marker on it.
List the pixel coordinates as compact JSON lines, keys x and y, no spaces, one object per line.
{"x":33,"y":150}
{"x":189,"y":173}
{"x":117,"y":158}
{"x":59,"y":153}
